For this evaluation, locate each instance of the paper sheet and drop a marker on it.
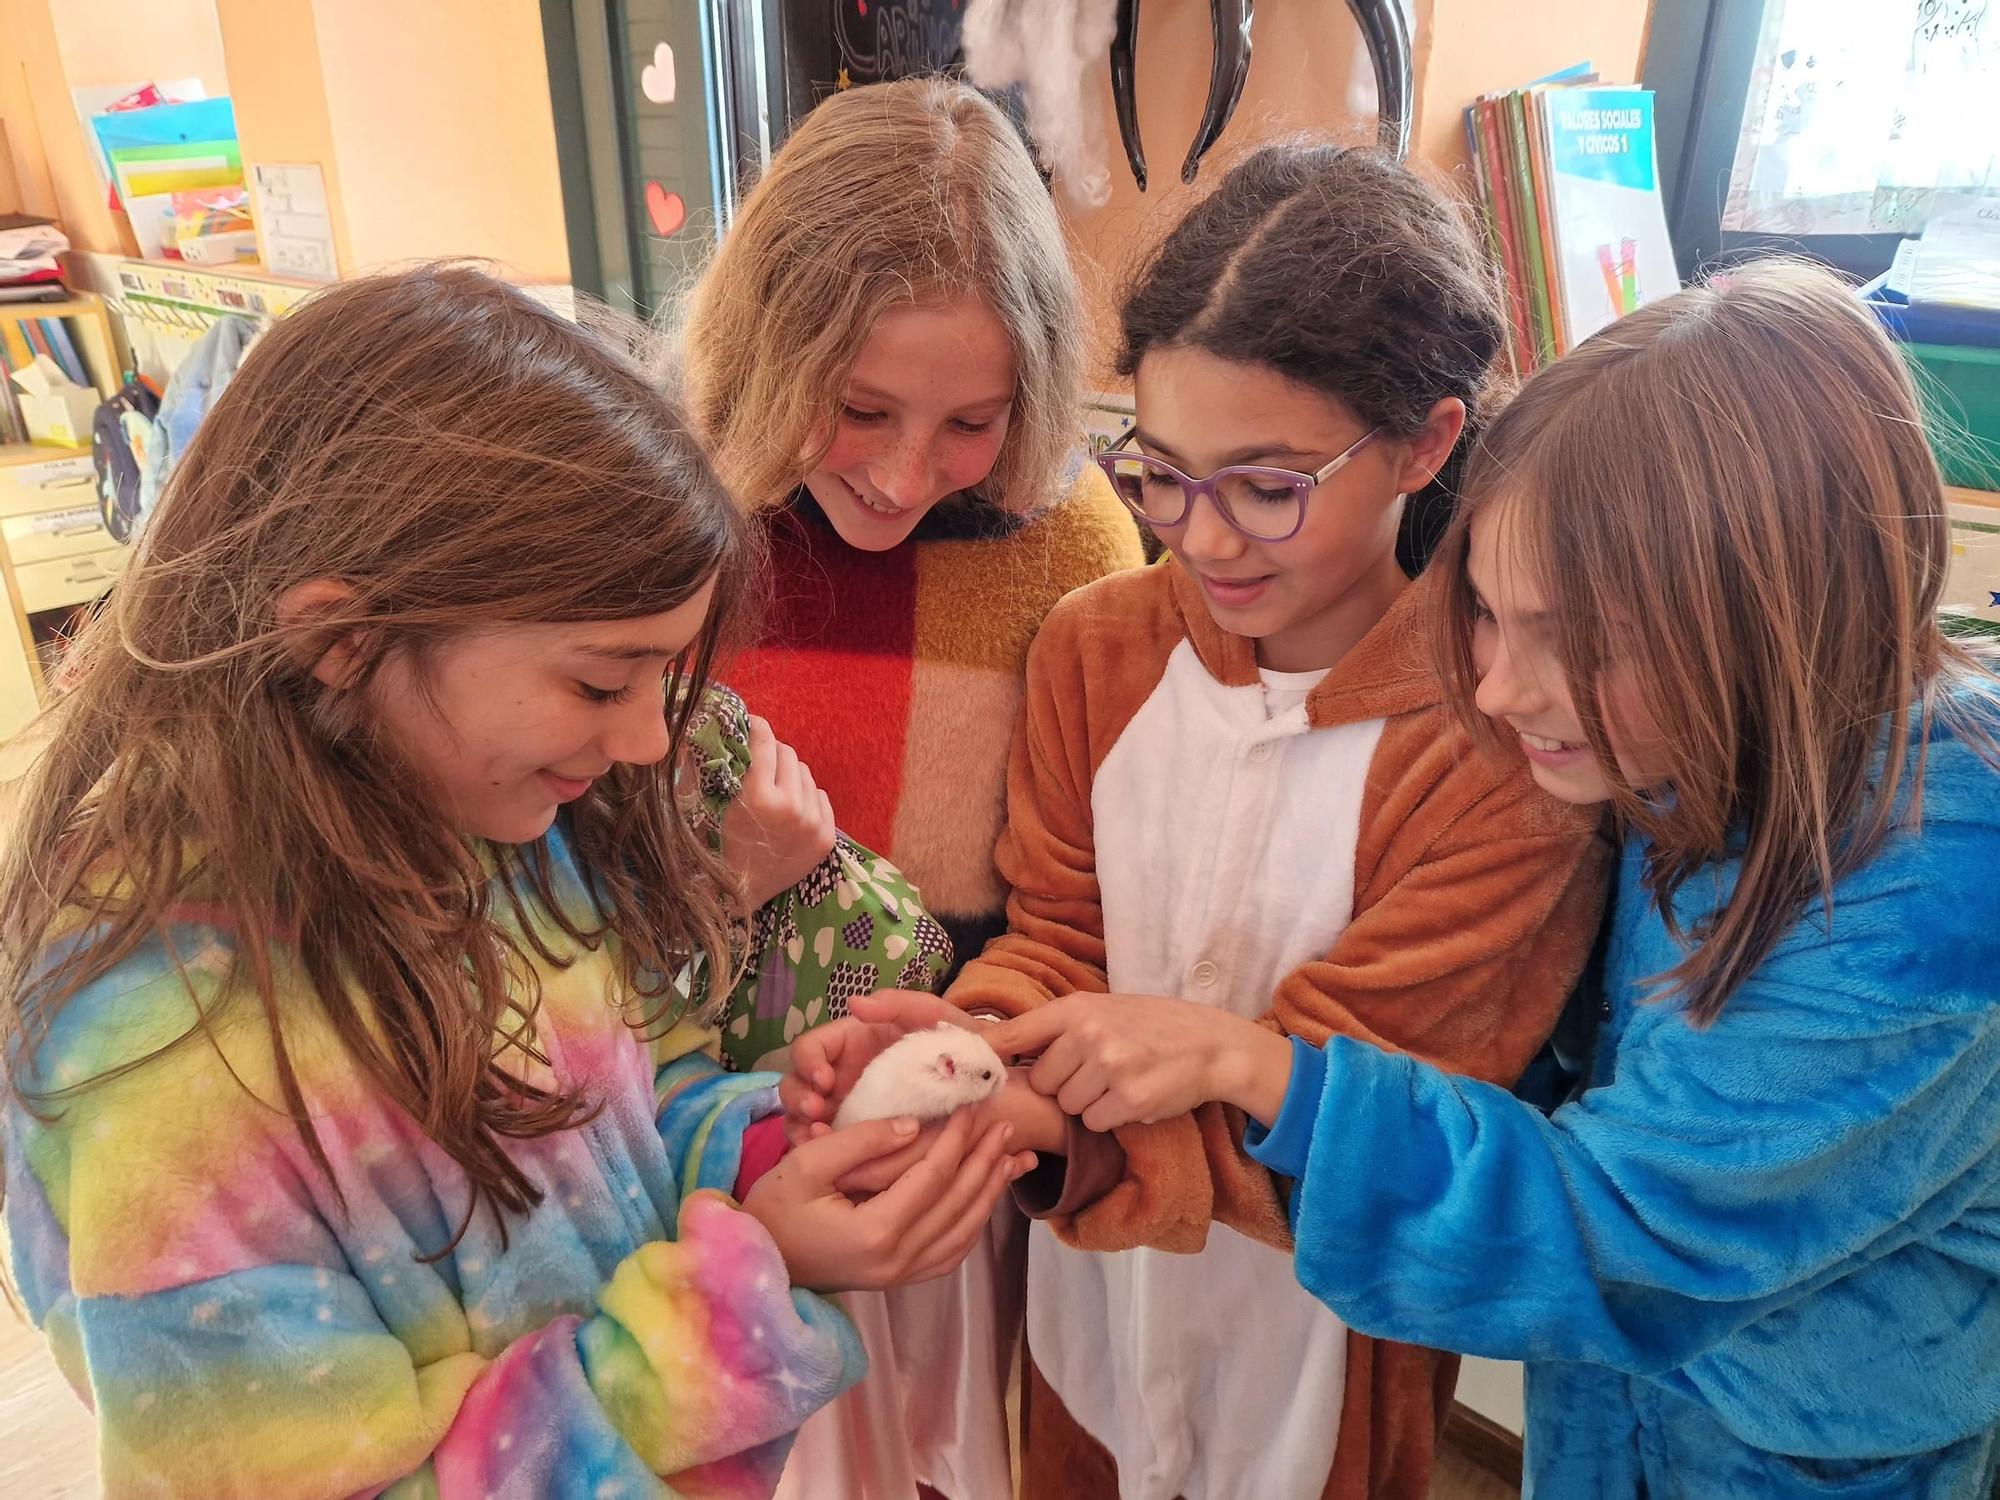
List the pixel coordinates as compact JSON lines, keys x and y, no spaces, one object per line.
{"x":292,"y":212}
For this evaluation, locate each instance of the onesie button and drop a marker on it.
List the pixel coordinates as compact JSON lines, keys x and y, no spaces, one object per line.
{"x":1204,"y":974}
{"x":1261,"y":751}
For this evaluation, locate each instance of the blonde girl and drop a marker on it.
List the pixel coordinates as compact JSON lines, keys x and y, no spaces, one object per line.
{"x":885,"y":358}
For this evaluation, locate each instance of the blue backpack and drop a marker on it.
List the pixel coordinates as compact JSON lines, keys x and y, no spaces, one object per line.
{"x":119,"y":436}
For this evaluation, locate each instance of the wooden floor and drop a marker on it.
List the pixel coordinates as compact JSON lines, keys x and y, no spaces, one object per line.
{"x":1459,"y":1478}
{"x":47,"y":1440}
{"x":46,"y":1435}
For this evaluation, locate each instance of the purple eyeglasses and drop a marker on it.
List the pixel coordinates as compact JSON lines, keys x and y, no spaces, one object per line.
{"x":1266,"y":505}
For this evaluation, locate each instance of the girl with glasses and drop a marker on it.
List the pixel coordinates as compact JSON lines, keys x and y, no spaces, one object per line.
{"x":1238,"y":783}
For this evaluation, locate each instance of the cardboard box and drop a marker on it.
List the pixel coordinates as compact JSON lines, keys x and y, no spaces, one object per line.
{"x":55,"y":408}
{"x":1972,"y":585}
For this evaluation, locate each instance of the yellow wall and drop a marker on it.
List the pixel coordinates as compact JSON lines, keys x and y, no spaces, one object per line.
{"x":279,"y":94}
{"x":111,"y":42}
{"x":27,"y":166}
{"x":446,"y":137}
{"x":57,"y":168}
{"x":1481,"y":45}
{"x":429,"y":118}
{"x":10,"y":181}
{"x":1302,"y":59}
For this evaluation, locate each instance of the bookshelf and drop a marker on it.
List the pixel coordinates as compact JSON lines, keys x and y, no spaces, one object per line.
{"x":89,"y":326}
{"x":56,"y":558}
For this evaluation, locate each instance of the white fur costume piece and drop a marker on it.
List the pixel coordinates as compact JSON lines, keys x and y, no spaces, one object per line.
{"x":1048,"y":47}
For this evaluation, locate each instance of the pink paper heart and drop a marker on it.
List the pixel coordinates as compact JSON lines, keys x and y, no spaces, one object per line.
{"x":668,"y":211}
{"x":656,"y":79}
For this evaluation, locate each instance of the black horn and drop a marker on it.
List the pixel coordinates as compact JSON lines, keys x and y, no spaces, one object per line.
{"x":1388,"y":36}
{"x":1123,"y":85}
{"x":1230,"y":21}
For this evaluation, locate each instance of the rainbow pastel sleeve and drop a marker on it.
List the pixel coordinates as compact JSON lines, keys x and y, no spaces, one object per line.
{"x":227,"y":1319}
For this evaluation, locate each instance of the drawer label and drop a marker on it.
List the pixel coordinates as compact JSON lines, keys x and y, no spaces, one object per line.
{"x":65,"y":522}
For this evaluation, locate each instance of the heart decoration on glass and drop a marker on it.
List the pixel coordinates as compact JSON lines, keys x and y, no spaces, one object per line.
{"x":656,"y":79}
{"x":667,"y":211}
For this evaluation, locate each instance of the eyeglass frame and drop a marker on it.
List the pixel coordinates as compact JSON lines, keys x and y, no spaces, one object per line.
{"x":1302,"y":484}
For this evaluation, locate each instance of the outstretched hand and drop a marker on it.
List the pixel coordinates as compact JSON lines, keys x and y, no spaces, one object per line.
{"x":1123,"y":1059}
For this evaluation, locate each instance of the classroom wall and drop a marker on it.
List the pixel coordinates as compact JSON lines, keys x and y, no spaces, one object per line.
{"x":23,"y":169}
{"x":52,"y":161}
{"x":111,"y":42}
{"x":431,"y":121}
{"x":445,"y":133}
{"x":1310,"y":71}
{"x":279,"y":94}
{"x":1480,"y":45}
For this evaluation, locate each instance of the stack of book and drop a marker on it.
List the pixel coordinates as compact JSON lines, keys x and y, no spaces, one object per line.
{"x":1570,"y":188}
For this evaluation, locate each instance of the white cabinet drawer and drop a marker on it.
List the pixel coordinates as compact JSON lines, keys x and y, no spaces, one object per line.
{"x":65,"y":581}
{"x":55,"y":483}
{"x":54,"y":533}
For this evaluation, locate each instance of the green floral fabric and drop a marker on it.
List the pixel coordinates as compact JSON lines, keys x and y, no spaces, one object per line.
{"x":853,"y":926}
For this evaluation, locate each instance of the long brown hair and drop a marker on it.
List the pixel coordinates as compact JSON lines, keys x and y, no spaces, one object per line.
{"x":899,"y":194}
{"x":1728,"y":496}
{"x":1344,"y":271}
{"x":458,"y":456}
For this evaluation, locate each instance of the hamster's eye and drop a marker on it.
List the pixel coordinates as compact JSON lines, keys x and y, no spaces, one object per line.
{"x":986,"y":1075}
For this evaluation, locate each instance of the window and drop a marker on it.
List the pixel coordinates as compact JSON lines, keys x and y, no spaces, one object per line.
{"x":1835,"y":127}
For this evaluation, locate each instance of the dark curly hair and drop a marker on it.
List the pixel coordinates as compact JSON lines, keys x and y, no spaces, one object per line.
{"x":1341,"y":270}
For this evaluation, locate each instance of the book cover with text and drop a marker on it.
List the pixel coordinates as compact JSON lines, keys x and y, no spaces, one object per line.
{"x":1611,"y":250}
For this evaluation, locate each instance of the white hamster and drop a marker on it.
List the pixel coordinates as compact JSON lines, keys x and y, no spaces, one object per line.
{"x":927,"y":1074}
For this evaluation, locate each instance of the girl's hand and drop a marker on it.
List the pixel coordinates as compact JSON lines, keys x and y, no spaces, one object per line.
{"x":1119,"y":1059}
{"x":920,"y":1226}
{"x":826,"y":1060}
{"x":1037,"y":1122}
{"x":781,"y":824}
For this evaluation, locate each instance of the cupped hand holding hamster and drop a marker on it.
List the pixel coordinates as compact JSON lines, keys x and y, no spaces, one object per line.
{"x":927,"y":1075}
{"x":827,"y":1063}
{"x":828,"y":1060}
{"x":1037,"y":1123}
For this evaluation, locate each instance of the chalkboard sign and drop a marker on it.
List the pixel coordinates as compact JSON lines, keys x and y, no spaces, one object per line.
{"x":835,"y":44}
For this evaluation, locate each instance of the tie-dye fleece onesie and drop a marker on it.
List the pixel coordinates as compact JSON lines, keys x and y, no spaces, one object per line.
{"x":246,"y":1326}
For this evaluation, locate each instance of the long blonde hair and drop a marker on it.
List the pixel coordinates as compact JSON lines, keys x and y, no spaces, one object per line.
{"x":1728,"y":495}
{"x":911,"y":193}
{"x":458,"y":457}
